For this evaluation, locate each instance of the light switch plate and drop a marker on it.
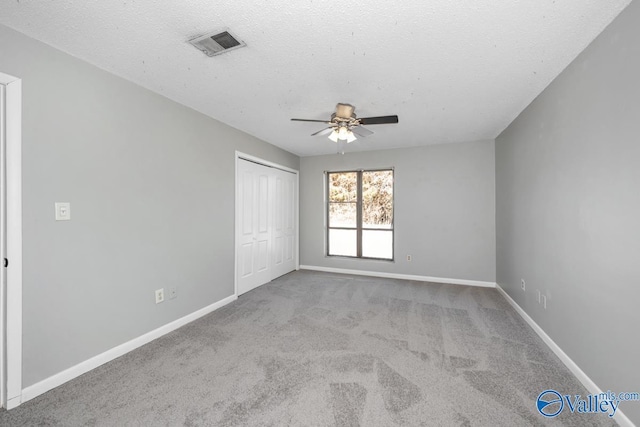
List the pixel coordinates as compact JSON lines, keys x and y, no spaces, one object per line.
{"x":63,"y":211}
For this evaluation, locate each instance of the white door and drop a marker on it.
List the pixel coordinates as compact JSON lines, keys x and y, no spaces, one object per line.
{"x":10,"y":241}
{"x":284,"y":230}
{"x":3,"y":246}
{"x":255,"y":229}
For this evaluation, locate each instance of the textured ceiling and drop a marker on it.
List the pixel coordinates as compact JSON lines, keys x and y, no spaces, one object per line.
{"x":451,"y":70}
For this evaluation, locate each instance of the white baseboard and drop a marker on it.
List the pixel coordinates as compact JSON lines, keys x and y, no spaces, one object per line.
{"x":400,"y":276}
{"x":587,"y":382}
{"x":109,"y":355}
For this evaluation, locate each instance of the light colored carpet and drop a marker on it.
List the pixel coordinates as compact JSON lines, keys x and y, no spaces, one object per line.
{"x":320,"y":349}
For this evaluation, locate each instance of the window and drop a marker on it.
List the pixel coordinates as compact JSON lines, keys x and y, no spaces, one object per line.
{"x":360,"y":214}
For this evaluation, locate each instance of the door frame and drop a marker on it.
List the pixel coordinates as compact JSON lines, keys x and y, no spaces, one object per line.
{"x":243,"y":156}
{"x":11,"y":306}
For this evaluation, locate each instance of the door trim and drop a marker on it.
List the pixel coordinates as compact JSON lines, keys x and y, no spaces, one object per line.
{"x":243,"y":156}
{"x":13,"y":307}
{"x":254,"y":159}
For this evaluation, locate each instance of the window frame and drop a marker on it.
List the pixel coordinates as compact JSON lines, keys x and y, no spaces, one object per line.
{"x":359,"y":227}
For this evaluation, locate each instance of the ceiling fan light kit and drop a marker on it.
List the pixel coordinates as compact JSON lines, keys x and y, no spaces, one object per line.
{"x":344,"y":125}
{"x":350,"y":137}
{"x":342,"y":134}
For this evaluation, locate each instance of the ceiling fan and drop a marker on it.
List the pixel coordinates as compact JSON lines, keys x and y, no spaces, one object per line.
{"x":344,"y":124}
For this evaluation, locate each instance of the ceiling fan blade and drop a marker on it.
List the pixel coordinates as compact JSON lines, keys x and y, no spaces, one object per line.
{"x":361,"y":131}
{"x":323,"y":131}
{"x":382,"y":120}
{"x":306,"y":120}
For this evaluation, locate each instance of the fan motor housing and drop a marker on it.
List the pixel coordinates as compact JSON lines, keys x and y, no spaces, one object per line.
{"x":346,"y":111}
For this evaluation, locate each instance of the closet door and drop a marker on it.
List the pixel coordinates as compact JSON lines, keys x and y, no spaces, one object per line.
{"x":284,"y":230}
{"x":255,"y":185}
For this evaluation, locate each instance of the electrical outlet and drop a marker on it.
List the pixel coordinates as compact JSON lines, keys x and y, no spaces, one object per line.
{"x":159,"y":295}
{"x":523,"y":284}
{"x":408,"y":257}
{"x":63,"y":211}
{"x":544,"y":301}
{"x":173,"y":293}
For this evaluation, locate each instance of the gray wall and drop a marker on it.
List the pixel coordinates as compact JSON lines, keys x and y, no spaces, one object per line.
{"x":568,"y":208}
{"x":444,"y":210}
{"x":151,"y":186}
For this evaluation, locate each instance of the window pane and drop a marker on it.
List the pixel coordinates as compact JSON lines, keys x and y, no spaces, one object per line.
{"x":342,"y":215}
{"x":343,"y":186}
{"x":377,"y":199}
{"x":377,"y":244}
{"x":342,"y":242}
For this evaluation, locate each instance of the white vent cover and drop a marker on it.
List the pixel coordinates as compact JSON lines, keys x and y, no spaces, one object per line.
{"x":216,"y":43}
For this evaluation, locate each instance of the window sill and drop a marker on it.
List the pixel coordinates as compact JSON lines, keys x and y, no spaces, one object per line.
{"x":344,"y":257}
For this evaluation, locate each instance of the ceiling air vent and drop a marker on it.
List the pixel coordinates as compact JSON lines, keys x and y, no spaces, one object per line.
{"x":217,"y":43}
